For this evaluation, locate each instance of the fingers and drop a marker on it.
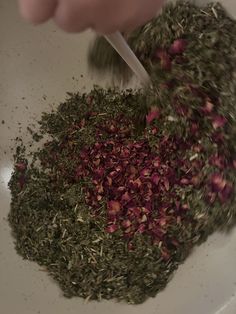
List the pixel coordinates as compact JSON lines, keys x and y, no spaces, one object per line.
{"x":37,"y":11}
{"x":123,"y":15}
{"x":104,"y":16}
{"x":73,"y":15}
{"x":140,"y":17}
{"x":77,"y":15}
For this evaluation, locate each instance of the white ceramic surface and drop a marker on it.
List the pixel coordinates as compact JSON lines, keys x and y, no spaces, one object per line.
{"x":39,"y":62}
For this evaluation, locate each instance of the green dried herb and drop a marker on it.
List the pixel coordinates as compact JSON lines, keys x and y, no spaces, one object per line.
{"x":126,"y":183}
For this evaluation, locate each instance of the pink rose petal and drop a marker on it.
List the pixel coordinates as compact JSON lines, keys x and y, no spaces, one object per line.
{"x":155,"y":178}
{"x":111,"y":228}
{"x":217,"y":161}
{"x":114,"y":207}
{"x":141,"y":228}
{"x":126,"y":197}
{"x":21,"y":166}
{"x":208,"y":107}
{"x":164,"y":58}
{"x":234,"y":164}
{"x":218,"y":121}
{"x":145,"y":172}
{"x":185,"y":181}
{"x":152,"y":115}
{"x":226,"y":193}
{"x":218,"y":182}
{"x":178,"y":46}
{"x":126,"y":223}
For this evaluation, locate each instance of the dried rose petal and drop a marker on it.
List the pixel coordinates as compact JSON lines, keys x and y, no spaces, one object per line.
{"x":162,"y":222}
{"x":133,"y":170}
{"x":82,"y":123}
{"x":152,"y":115}
{"x":157,"y":162}
{"x":165,"y":254}
{"x":22,"y":181}
{"x":109,"y":181}
{"x":111,"y":228}
{"x":234,"y":164}
{"x":145,"y":172}
{"x":128,"y":233}
{"x":97,"y":162}
{"x":195,"y":180}
{"x":211,"y":197}
{"x":218,"y":121}
{"x":208,"y":107}
{"x":226,"y":193}
{"x":166,"y":184}
{"x":99,"y":172}
{"x":156,"y":230}
{"x":21,"y":166}
{"x":144,"y":218}
{"x":194,"y":128}
{"x":113,"y":174}
{"x":185,"y":207}
{"x":134,"y":211}
{"x":196,"y":90}
{"x":126,"y":223}
{"x":178,"y":220}
{"x":130,"y":246}
{"x":198,"y":148}
{"x":177,"y":204}
{"x":97,"y":145}
{"x":218,"y":182}
{"x":113,"y":129}
{"x":141,"y":228}
{"x":114,"y":207}
{"x":118,"y":169}
{"x":217,"y":161}
{"x":99,"y":198}
{"x":126,"y":197}
{"x":185,"y":181}
{"x":121,"y":189}
{"x":178,"y":46}
{"x":154,"y":131}
{"x":160,"y":53}
{"x":135,"y":184}
{"x":147,"y":209}
{"x":164,"y":58}
{"x":182,"y":110}
{"x":100,"y":189}
{"x":218,"y":137}
{"x":175,"y":242}
{"x":89,"y":100}
{"x":155,"y":178}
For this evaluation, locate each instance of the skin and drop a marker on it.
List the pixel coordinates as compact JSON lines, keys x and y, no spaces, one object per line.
{"x":104,"y":16}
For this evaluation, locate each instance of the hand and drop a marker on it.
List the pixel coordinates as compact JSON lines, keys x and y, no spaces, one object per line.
{"x":104,"y":16}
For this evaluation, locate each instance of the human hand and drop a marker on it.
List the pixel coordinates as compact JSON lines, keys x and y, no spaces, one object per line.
{"x":104,"y":16}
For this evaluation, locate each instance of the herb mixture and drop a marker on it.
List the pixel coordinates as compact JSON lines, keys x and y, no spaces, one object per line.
{"x":126,"y":183}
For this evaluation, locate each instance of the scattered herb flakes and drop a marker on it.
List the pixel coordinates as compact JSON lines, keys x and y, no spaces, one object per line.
{"x":126,"y":183}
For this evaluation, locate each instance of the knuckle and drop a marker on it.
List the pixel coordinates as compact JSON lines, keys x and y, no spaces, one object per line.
{"x":68,"y":19}
{"x":63,"y":18}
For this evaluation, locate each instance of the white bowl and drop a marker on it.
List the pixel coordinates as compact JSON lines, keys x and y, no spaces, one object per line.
{"x":43,"y":61}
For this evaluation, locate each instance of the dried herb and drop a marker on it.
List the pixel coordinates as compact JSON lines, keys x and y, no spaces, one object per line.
{"x":111,"y":212}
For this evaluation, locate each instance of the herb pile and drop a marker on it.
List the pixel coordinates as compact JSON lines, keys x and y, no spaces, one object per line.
{"x":126,"y":183}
